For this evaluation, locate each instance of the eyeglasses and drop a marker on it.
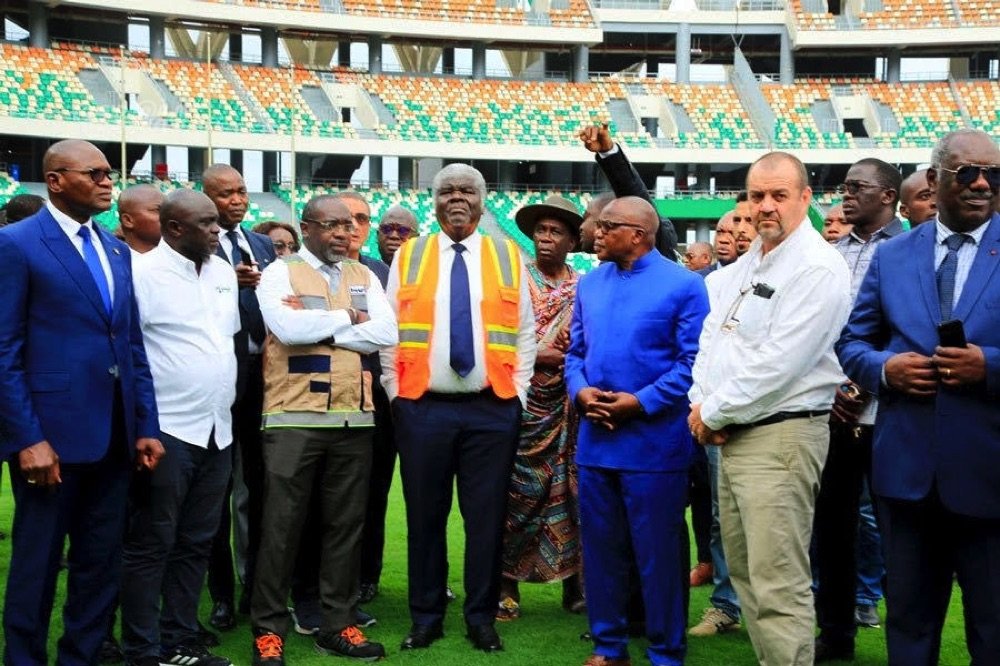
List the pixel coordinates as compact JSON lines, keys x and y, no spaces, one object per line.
{"x":967,"y":174}
{"x":361,"y":218}
{"x":96,"y":175}
{"x":852,"y":187}
{"x":604,"y":226}
{"x":332,"y":225}
{"x":281,"y":246}
{"x":389,"y":228}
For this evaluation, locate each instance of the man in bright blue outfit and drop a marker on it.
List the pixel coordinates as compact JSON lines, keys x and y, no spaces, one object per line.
{"x":634,"y":338}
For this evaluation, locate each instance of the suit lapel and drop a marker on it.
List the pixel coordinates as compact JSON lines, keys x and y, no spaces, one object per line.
{"x":987,"y":258}
{"x":119,"y":273}
{"x":66,"y":254}
{"x":927,"y":235}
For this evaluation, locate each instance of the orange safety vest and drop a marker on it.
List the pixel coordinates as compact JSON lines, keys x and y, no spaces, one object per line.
{"x":418,"y":278}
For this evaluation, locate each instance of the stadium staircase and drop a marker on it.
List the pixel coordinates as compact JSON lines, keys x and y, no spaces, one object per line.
{"x":100,"y":88}
{"x":960,"y":101}
{"x":622,"y":115}
{"x":274,"y":206}
{"x":742,"y":78}
{"x":251,"y":103}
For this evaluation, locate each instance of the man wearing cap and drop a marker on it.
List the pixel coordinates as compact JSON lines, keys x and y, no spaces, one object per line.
{"x":633,"y":341}
{"x":541,"y":532}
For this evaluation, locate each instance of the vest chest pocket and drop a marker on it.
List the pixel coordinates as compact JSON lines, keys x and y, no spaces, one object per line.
{"x":509,"y":306}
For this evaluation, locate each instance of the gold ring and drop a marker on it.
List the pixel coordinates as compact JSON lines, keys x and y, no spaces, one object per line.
{"x":32,"y":481}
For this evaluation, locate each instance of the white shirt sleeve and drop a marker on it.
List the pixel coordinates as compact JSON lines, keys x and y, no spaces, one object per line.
{"x":390,"y":381}
{"x":379,"y":331}
{"x":295,"y":327}
{"x":527,"y":346}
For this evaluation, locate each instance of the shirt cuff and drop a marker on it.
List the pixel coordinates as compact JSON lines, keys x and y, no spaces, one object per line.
{"x":609,"y":153}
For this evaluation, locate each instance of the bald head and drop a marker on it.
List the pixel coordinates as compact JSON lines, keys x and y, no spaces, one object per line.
{"x":79,"y":178}
{"x":225,"y":187}
{"x":70,"y":153}
{"x":139,"y":216}
{"x":626,"y":231}
{"x":189,"y":224}
{"x":781,"y":161}
{"x":917,"y":201}
{"x":698,"y":256}
{"x":725,"y":224}
{"x":643,"y":213}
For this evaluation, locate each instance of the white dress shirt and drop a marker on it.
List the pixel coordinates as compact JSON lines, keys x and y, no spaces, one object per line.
{"x":188,"y":323}
{"x":72,"y":229}
{"x":304,"y":327}
{"x":443,"y":378}
{"x":759,"y":356}
{"x":227,"y":245}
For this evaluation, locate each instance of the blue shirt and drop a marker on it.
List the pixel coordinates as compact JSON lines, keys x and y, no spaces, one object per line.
{"x":637,"y":331}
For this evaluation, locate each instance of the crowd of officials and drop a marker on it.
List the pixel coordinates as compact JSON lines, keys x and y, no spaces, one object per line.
{"x":826,"y":402}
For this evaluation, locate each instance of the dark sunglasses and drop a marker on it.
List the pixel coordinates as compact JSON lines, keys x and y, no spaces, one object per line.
{"x":606,"y":226}
{"x":852,"y":187}
{"x":401,"y":230}
{"x":967,"y":174}
{"x":96,"y":175}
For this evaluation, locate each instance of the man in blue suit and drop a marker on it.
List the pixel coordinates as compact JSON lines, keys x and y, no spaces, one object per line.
{"x":76,"y":405}
{"x":936,"y":442}
{"x":249,"y":253}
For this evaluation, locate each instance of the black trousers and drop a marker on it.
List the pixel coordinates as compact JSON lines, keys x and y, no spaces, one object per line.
{"x":247,"y":437}
{"x":472,"y":438}
{"x":173,"y":516}
{"x":297,"y":461}
{"x":835,"y":530}
{"x":700,"y":497}
{"x":925,"y":545}
{"x":383,"y":466}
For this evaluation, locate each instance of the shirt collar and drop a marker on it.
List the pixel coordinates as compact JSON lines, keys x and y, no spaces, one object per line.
{"x":642,"y":262}
{"x":796,"y":237}
{"x":471,"y":243}
{"x":894,"y":228}
{"x":177,"y":260}
{"x":977,"y":234}
{"x":67,"y":223}
{"x":311,"y":258}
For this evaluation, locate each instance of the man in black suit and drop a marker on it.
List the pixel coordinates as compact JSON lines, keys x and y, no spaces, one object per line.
{"x":249,"y":253}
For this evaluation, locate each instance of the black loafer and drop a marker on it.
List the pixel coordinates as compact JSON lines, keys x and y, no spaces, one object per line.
{"x":222,"y":617}
{"x":422,"y":635}
{"x":484,"y":637}
{"x":833,"y":651}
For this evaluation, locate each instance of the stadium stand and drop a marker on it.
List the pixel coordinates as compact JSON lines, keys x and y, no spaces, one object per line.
{"x":718,"y":116}
{"x":982,"y":99}
{"x":895,"y":15}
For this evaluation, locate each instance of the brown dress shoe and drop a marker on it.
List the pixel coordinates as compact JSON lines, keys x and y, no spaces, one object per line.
{"x":701,"y":574}
{"x":601,"y":660}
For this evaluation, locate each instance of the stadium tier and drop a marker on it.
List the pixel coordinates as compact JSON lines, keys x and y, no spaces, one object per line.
{"x":571,"y":13}
{"x":982,"y":100}
{"x":898,"y":15}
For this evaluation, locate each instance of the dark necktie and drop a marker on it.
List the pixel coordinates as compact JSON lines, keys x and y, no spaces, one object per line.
{"x":463,"y":355}
{"x":95,"y":267}
{"x":946,"y":273}
{"x":238,"y":255}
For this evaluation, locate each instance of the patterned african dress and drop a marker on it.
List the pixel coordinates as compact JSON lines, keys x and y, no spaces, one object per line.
{"x":541,"y":533}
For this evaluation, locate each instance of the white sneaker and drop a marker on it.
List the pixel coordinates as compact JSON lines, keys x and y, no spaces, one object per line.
{"x":714,"y":621}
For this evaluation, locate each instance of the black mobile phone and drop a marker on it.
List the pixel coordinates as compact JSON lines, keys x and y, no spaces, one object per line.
{"x":952,"y":333}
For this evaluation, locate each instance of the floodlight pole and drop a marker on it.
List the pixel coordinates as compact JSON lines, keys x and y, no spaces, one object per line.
{"x":122,"y":107}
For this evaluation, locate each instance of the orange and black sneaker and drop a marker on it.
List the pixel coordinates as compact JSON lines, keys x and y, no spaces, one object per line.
{"x":349,"y":643}
{"x":268,"y":650}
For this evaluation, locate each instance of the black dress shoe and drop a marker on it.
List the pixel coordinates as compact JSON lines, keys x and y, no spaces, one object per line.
{"x":833,"y":651}
{"x":422,"y":635}
{"x":206,"y":638}
{"x":222,"y":616}
{"x":484,"y":637}
{"x":368,"y":592}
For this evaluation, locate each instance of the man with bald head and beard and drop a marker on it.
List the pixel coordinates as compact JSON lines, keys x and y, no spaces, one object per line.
{"x":77,"y":409}
{"x":188,"y":308}
{"x":633,"y":337}
{"x":249,"y":253}
{"x":764,"y":382}
{"x":139,"y":216}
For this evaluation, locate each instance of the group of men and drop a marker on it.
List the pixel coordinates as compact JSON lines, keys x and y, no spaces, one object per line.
{"x":128,"y":374}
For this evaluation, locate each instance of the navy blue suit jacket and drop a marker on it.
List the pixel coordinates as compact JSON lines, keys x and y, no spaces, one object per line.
{"x":60,"y":353}
{"x":953,"y":439}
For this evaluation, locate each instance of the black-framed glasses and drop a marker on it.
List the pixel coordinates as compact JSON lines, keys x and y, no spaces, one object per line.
{"x":97,"y":176}
{"x":607,"y":225}
{"x":852,"y":187}
{"x":389,"y":228}
{"x":967,"y":174}
{"x":332,"y":225}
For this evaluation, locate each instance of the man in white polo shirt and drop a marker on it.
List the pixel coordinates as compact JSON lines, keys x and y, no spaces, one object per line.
{"x":189,"y":312}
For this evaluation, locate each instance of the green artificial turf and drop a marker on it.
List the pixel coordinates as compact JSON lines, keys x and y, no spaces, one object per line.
{"x":545,"y":634}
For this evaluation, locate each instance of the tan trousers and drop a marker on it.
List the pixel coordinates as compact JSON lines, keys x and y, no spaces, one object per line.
{"x":768,"y":482}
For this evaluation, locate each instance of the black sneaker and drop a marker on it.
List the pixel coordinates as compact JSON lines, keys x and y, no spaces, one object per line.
{"x":192,"y":655}
{"x":368,"y":592}
{"x":268,"y":650}
{"x":363,"y":620}
{"x":349,"y":643}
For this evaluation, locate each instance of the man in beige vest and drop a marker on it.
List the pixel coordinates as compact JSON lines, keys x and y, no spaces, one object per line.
{"x":322,"y":311}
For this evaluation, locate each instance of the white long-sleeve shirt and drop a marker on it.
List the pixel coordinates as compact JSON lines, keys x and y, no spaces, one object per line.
{"x":188,"y":322}
{"x":761,"y":355}
{"x":303,"y":327}
{"x":443,"y":379}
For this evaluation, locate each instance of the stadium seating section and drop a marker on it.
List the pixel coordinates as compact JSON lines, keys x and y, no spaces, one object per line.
{"x":47,"y":84}
{"x":576,"y":14}
{"x":904,"y":15}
